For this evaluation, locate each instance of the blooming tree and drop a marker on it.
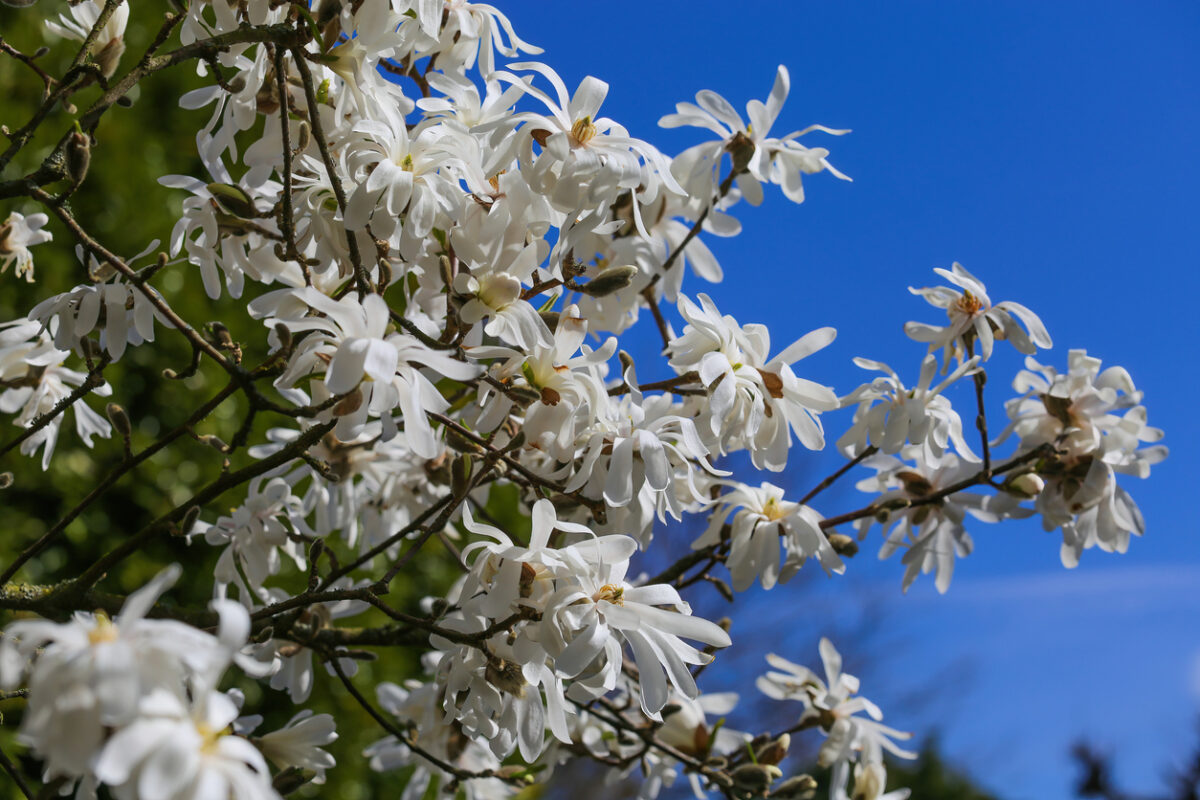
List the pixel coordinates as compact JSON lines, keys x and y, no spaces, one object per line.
{"x":442,"y":247}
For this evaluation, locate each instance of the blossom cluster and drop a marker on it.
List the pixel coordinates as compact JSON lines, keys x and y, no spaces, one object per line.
{"x":445,"y":247}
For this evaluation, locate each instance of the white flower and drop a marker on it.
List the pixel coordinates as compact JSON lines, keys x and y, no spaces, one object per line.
{"x":1097,"y":425}
{"x":33,"y":381}
{"x":109,"y":44}
{"x":495,"y":294}
{"x":920,"y":415}
{"x":834,"y":704}
{"x":176,"y":749}
{"x":973,"y":317}
{"x":87,"y":676}
{"x":352,"y":346}
{"x":773,"y":160}
{"x":933,"y":533}
{"x":299,"y":743}
{"x":254,"y":534}
{"x":753,"y":399}
{"x":585,"y":161}
{"x":763,"y":521}
{"x":17,"y":235}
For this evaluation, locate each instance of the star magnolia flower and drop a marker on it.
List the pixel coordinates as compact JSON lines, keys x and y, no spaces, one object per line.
{"x":602,"y":605}
{"x":973,"y":317}
{"x":585,"y":161}
{"x":932,"y":533}
{"x":420,"y":704}
{"x":86,"y":676}
{"x":109,"y":44}
{"x":835,"y":705}
{"x":176,"y":749}
{"x":495,"y":295}
{"x":33,"y":381}
{"x":780,"y":161}
{"x":299,"y":743}
{"x":354,"y":349}
{"x":762,"y":522}
{"x":920,"y":416}
{"x":753,"y":400}
{"x":1096,"y":422}
{"x":253,"y":536}
{"x":17,"y":235}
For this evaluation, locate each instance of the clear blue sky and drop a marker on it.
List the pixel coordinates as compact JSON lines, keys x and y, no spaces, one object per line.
{"x":1051,"y":148}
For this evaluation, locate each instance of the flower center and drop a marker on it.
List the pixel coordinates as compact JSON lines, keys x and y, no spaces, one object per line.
{"x":498,"y":290}
{"x":583,"y":131}
{"x":610,"y":592}
{"x":209,"y":737}
{"x":104,"y":631}
{"x":773,"y":511}
{"x":969,"y":304}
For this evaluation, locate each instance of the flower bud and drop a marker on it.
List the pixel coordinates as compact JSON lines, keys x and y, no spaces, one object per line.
{"x":741,"y":150}
{"x":109,"y":56}
{"x":773,"y":751}
{"x":799,"y":787}
{"x":721,"y":586}
{"x":1027,"y":485}
{"x":79,"y":157}
{"x":189,"y":520}
{"x":754,"y":780}
{"x":842,"y":544}
{"x":119,"y":419}
{"x":303,"y":136}
{"x":505,"y":676}
{"x":607,"y":282}
{"x":284,"y":335}
{"x":214,"y":442}
{"x":460,"y":474}
{"x":233,"y":200}
{"x":291,"y":779}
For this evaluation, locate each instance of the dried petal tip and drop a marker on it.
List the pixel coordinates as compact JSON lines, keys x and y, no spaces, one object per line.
{"x":6,"y":480}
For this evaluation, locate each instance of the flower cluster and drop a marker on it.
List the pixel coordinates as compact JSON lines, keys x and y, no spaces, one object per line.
{"x":442,"y":249}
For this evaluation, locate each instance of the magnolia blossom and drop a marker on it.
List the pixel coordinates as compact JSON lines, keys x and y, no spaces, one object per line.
{"x":927,"y":522}
{"x":753,"y":399}
{"x":769,"y":160}
{"x":254,"y":535}
{"x":834,"y":703}
{"x":89,"y":676}
{"x":177,"y":749}
{"x":762,"y":521}
{"x":109,"y":43}
{"x":299,"y":743}
{"x":889,"y":416}
{"x":18,"y":233}
{"x":973,"y":317}
{"x":1096,"y":420}
{"x":34,"y":382}
{"x":453,"y":257}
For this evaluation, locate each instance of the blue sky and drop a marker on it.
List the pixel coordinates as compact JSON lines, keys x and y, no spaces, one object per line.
{"x":1050,"y":148}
